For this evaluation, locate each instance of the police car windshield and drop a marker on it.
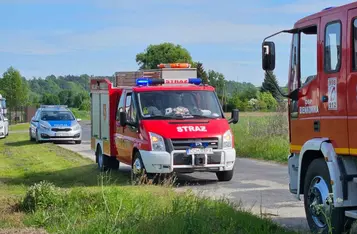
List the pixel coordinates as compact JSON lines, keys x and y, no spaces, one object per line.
{"x":179,"y":104}
{"x":3,"y":103}
{"x":56,"y":115}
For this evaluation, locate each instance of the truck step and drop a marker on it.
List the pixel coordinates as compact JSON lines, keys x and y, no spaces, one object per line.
{"x":351,"y":214}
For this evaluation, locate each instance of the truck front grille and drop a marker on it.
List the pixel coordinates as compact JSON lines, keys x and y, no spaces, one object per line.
{"x":183,"y":144}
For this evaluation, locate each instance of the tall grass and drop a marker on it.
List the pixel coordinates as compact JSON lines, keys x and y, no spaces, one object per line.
{"x":262,"y":137}
{"x":118,"y":210}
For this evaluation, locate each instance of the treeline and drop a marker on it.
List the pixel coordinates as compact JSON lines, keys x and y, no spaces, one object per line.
{"x":73,"y":91}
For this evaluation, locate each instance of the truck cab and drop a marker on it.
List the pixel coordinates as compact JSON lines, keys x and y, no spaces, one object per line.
{"x":161,"y":126}
{"x":322,"y":114}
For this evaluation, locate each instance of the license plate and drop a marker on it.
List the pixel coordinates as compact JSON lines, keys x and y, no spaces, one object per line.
{"x":199,"y":151}
{"x":61,"y":134}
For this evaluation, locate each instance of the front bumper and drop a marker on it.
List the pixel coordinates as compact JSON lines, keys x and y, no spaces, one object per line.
{"x":163,"y":162}
{"x":49,"y":135}
{"x":2,"y":133}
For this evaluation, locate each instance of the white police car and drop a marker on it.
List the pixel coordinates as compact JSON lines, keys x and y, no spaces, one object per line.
{"x":4,"y":126}
{"x":55,"y":123}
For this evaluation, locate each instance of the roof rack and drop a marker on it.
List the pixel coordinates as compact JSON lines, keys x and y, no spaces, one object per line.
{"x":53,"y":106}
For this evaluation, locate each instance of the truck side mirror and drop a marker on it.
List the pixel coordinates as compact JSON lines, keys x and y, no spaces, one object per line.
{"x":234,"y":117}
{"x":6,"y":119}
{"x":268,"y":56}
{"x":122,"y":119}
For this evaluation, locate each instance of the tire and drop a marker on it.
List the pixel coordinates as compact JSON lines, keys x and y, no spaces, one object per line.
{"x":102,"y":161}
{"x":78,"y":142}
{"x":138,"y":171}
{"x":225,"y":175}
{"x":316,"y":186}
{"x":37,"y":140}
{"x":137,"y":167}
{"x":31,"y":138}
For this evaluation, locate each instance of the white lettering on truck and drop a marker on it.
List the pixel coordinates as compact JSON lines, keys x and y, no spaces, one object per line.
{"x":192,"y":129}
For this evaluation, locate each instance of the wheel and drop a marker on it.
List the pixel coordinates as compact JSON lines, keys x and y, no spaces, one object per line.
{"x":37,"y":140}
{"x":138,"y":170}
{"x":31,"y":138}
{"x":224,"y":175}
{"x":102,"y":161}
{"x":137,"y":167}
{"x":316,"y":192}
{"x":78,"y":142}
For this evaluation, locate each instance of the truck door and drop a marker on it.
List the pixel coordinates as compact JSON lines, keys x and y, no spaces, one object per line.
{"x":333,"y":104}
{"x":352,"y":79}
{"x":304,"y":113}
{"x":127,"y":136}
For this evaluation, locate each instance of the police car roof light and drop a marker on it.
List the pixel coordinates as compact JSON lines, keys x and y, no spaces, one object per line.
{"x":53,"y":106}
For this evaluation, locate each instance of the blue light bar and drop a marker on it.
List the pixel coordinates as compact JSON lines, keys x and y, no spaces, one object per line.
{"x":150,"y":81}
{"x":143,"y":81}
{"x":195,"y":81}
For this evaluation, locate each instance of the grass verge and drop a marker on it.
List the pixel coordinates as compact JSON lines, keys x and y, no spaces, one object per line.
{"x":78,"y":199}
{"x":262,"y":137}
{"x":80,"y":114}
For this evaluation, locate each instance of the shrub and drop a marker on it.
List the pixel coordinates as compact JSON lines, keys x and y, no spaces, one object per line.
{"x":40,"y":196}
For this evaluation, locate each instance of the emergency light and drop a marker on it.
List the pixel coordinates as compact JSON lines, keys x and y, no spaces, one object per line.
{"x":155,"y":81}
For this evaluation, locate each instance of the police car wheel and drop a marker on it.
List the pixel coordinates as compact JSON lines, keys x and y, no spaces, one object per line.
{"x":37,"y":140}
{"x":31,"y":138}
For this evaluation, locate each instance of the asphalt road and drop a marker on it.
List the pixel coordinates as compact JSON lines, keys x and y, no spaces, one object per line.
{"x":259,"y":186}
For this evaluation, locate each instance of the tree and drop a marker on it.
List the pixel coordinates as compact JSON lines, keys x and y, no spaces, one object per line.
{"x":50,"y":99}
{"x":79,"y":99}
{"x":14,"y":88}
{"x":268,"y":85}
{"x":217,"y":80}
{"x":162,"y":53}
{"x":201,"y":73}
{"x":267,"y":100}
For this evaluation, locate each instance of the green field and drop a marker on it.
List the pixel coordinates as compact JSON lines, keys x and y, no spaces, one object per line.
{"x":80,"y":114}
{"x":262,"y":136}
{"x":78,"y":199}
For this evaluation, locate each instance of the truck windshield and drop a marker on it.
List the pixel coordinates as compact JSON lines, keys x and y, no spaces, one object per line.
{"x":56,"y":115}
{"x":179,"y":104}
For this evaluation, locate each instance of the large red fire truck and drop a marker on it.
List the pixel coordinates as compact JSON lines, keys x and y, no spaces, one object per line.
{"x":161,"y":121}
{"x":322,"y":165}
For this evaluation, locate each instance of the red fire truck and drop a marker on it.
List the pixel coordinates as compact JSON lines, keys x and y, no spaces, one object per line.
{"x":322,"y":98}
{"x":161,"y":121}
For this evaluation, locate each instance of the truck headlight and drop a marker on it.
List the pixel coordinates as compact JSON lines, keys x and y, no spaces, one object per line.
{"x":157,"y":142}
{"x":227,"y":139}
{"x":44,"y":126}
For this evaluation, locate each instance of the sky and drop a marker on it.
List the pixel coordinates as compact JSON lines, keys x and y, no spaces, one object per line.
{"x":101,"y":37}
